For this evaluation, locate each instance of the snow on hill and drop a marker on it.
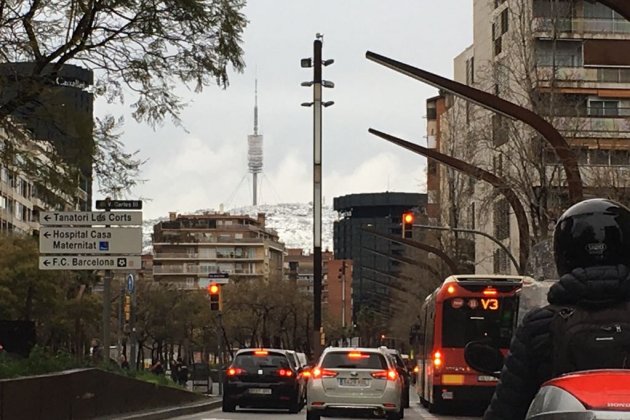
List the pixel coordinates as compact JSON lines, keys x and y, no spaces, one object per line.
{"x":292,"y":221}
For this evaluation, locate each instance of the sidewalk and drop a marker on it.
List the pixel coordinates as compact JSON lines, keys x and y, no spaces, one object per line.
{"x":213,"y":401}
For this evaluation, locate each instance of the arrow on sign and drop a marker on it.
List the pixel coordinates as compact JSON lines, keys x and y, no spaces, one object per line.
{"x":47,"y":217}
{"x":47,"y":235}
{"x":46,"y":263}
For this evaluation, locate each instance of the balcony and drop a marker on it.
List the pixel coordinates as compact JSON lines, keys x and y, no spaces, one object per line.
{"x":581,"y":77}
{"x":582,"y":27}
{"x":194,"y":239}
{"x":196,"y":270}
{"x":205,"y":257}
{"x":595,"y":125}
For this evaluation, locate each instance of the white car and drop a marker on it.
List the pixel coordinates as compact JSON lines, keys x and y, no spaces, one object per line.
{"x":354,"y":381}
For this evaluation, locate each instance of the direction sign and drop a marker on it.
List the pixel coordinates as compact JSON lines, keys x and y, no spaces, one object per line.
{"x":119,"y":204}
{"x":218,"y":275}
{"x":89,"y":218}
{"x":130,"y":283}
{"x":89,"y":262}
{"x":120,"y":240}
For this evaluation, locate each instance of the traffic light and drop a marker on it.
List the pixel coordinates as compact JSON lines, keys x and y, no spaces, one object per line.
{"x":407,"y":224}
{"x":214,"y":291}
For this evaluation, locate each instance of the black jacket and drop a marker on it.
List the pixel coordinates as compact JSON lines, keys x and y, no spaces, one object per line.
{"x":529,"y":362}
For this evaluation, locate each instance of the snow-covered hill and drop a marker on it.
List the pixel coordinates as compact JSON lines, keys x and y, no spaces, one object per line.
{"x":292,"y":221}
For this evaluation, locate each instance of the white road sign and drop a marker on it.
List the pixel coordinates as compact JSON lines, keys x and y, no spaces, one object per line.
{"x":89,"y":262}
{"x":89,"y":218}
{"x":121,"y":240}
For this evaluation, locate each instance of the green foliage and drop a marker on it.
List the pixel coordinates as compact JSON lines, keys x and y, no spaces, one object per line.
{"x":64,"y":316}
{"x":40,"y":361}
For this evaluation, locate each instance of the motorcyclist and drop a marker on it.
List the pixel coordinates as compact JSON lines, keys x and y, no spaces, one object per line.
{"x":592,"y":255}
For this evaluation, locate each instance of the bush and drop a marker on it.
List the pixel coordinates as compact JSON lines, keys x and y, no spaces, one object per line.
{"x":39,"y":362}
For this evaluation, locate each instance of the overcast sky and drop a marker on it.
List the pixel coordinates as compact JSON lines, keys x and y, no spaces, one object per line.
{"x":207,"y":166}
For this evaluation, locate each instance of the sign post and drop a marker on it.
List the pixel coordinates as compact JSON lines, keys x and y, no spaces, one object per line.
{"x":107,"y":240}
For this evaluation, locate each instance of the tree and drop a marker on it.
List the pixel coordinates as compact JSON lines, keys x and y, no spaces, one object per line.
{"x":135,"y":47}
{"x":64,"y":316}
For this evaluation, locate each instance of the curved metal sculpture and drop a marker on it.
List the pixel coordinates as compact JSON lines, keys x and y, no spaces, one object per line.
{"x":620,"y":6}
{"x":501,"y":106}
{"x":420,"y":264}
{"x":415,"y":244}
{"x":478,"y":173}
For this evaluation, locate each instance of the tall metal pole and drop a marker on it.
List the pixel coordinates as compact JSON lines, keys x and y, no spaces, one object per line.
{"x":317,"y":195}
{"x":107,"y":303}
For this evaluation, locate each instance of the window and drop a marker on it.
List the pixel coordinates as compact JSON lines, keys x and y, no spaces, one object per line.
{"x":500,"y":131}
{"x":599,"y":157}
{"x":620,"y":157}
{"x":502,"y":219}
{"x":505,"y":21}
{"x":603,"y":108}
{"x":461,"y":324}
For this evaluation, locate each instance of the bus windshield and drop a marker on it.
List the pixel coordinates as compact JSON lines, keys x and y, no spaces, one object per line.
{"x":472,"y":319}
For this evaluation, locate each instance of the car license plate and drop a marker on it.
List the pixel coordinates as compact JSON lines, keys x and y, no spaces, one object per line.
{"x":353,"y":382}
{"x":486,"y":378}
{"x":260,"y":391}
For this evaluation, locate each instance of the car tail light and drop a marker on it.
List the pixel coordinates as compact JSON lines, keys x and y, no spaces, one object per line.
{"x":390,"y":375}
{"x":235,"y":371}
{"x":324,"y":373}
{"x":358,"y":355}
{"x":306,"y":373}
{"x":285,"y":372}
{"x":437,"y":359}
{"x":261,"y":352}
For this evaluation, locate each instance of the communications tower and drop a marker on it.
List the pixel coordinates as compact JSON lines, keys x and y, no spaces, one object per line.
{"x":255,"y":149}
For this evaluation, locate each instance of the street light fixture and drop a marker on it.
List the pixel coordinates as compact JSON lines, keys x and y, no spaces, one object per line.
{"x":317,"y":104}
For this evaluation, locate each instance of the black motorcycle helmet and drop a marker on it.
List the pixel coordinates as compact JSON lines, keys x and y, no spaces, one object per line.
{"x":592,"y":233}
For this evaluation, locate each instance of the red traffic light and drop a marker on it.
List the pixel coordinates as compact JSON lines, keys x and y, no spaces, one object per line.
{"x":408,"y":218}
{"x":214,"y":289}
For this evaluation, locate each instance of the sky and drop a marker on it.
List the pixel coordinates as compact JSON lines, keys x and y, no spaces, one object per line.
{"x":204,"y":164}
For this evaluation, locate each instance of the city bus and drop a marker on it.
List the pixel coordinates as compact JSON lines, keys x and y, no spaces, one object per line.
{"x":464,"y":308}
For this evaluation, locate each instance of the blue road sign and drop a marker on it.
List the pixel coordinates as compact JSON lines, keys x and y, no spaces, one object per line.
{"x":130,"y":283}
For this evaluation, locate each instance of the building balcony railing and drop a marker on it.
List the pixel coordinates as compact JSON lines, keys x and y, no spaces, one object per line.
{"x":568,"y":75}
{"x":611,"y":127}
{"x":190,"y":239}
{"x":204,"y":257}
{"x":581,"y":25}
{"x":195,"y":270}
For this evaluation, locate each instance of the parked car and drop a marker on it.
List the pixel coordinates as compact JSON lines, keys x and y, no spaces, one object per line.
{"x":263,"y":378}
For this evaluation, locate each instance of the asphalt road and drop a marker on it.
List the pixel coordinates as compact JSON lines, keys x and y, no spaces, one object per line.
{"x":415,"y":412}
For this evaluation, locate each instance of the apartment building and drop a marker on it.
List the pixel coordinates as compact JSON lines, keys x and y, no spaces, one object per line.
{"x":186,"y":248}
{"x":298,"y":265}
{"x":568,"y":61}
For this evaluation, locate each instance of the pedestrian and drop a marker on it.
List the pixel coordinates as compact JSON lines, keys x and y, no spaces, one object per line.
{"x":592,"y":255}
{"x":124,"y":364}
{"x":182,"y":377}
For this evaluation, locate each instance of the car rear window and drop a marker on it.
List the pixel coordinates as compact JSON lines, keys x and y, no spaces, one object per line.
{"x":354,"y":360}
{"x":251,"y":360}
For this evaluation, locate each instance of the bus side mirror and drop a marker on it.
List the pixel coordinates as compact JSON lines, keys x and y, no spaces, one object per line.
{"x":484,"y":358}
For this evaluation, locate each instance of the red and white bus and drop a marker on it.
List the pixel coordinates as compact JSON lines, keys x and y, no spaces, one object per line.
{"x":464,"y":308}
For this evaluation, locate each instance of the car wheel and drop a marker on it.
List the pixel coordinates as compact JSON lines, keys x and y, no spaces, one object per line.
{"x":312,"y":416}
{"x":228,"y":406}
{"x":393,"y":416}
{"x":296,"y":406}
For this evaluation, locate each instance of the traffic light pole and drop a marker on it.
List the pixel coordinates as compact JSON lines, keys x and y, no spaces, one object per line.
{"x":317,"y":196}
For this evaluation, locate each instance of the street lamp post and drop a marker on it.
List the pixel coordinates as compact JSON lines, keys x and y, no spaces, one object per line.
{"x":317,"y":105}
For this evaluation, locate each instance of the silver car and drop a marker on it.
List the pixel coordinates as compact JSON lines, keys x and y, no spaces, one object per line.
{"x":354,"y":380}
